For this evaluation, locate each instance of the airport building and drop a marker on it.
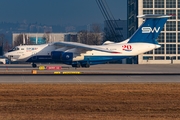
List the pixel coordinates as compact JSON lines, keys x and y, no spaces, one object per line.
{"x":169,"y":39}
{"x":42,"y":38}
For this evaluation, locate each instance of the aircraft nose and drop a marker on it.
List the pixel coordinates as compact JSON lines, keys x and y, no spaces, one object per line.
{"x":6,"y":55}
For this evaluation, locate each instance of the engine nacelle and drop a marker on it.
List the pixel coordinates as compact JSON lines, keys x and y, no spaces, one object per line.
{"x":67,"y":56}
{"x":56,"y":55}
{"x":61,"y":56}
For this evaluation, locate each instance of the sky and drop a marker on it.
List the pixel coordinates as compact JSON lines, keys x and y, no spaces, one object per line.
{"x":59,"y":12}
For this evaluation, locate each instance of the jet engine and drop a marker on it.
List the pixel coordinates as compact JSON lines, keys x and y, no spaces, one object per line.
{"x":67,"y":56}
{"x":56,"y":55}
{"x":61,"y":56}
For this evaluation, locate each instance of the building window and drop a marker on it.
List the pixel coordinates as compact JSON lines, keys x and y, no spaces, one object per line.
{"x":178,"y":3}
{"x":171,"y":26}
{"x":147,"y":4}
{"x":147,"y":11}
{"x":159,"y":3}
{"x":178,"y":49}
{"x":178,"y":25}
{"x":171,"y":12}
{"x":178,"y":14}
{"x":147,"y":57}
{"x":171,"y":37}
{"x":160,"y":50}
{"x":178,"y":38}
{"x":170,"y":57}
{"x":170,"y":3}
{"x":159,"y":57}
{"x":161,"y":38}
{"x":150,"y":52}
{"x":159,"y":12}
{"x":170,"y":48}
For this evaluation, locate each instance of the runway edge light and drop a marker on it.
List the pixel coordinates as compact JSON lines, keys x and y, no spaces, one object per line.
{"x":57,"y":72}
{"x":34,"y":71}
{"x":42,"y":67}
{"x":71,"y":72}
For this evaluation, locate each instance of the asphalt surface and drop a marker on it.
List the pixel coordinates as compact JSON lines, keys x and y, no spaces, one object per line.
{"x":88,"y":78}
{"x":105,"y":68}
{"x":107,"y":73}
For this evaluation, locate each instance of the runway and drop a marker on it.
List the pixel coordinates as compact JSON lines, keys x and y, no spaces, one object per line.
{"x":107,"y":73}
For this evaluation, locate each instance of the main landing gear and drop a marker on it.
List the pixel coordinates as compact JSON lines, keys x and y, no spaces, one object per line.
{"x":78,"y":65}
{"x":34,"y":65}
{"x":85,"y":65}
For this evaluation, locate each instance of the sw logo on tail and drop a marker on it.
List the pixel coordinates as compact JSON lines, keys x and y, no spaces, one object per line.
{"x":150,"y":30}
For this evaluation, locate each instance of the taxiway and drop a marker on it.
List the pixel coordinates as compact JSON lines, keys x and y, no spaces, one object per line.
{"x":107,"y":73}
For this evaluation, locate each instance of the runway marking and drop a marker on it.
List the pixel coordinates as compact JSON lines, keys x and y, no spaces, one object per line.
{"x":22,"y":78}
{"x":77,"y":79}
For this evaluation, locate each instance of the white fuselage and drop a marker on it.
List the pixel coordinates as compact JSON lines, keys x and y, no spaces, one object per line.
{"x":25,"y":52}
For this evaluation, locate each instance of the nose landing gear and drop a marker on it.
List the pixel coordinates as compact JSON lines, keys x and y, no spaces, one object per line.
{"x":34,"y":65}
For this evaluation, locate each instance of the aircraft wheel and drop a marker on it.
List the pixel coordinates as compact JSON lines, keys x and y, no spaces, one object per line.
{"x":82,"y":65}
{"x":34,"y":65}
{"x":76,"y":65}
{"x":85,"y":65}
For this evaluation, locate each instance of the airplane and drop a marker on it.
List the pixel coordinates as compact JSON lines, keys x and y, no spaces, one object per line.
{"x":82,"y":55}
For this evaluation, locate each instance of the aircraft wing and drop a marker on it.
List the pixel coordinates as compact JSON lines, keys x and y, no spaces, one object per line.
{"x":81,"y":46}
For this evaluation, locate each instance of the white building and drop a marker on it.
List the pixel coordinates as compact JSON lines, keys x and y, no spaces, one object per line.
{"x":169,"y":52}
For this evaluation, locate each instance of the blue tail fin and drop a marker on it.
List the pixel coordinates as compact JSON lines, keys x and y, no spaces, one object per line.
{"x":150,"y":29}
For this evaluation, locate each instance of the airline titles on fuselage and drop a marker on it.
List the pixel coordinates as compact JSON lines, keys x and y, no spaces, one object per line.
{"x":29,"y":49}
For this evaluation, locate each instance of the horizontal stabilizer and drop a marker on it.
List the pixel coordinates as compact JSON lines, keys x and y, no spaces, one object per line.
{"x":154,"y":16}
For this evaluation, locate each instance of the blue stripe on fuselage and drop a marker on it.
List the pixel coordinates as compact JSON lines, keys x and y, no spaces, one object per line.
{"x":41,"y":59}
{"x":90,"y":59}
{"x":103,"y":58}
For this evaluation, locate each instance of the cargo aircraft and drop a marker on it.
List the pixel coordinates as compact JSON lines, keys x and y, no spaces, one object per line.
{"x":82,"y":55}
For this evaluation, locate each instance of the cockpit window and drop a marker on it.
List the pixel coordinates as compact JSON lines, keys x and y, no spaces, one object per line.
{"x":14,"y":49}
